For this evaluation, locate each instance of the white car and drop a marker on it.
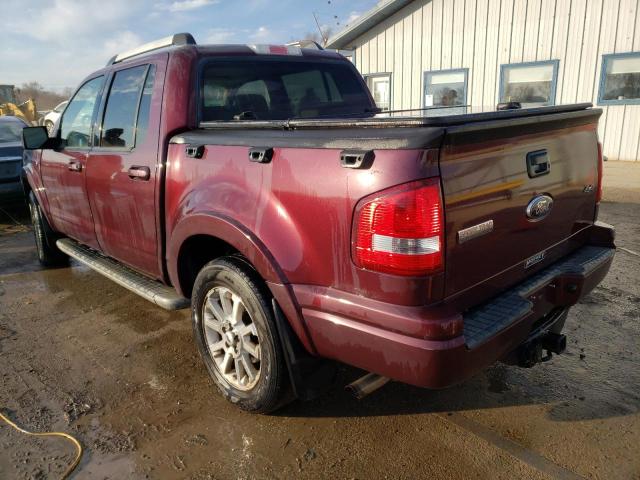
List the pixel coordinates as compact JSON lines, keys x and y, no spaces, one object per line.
{"x":50,"y":119}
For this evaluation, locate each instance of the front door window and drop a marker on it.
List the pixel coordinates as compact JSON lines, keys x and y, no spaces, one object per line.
{"x":75,"y":127}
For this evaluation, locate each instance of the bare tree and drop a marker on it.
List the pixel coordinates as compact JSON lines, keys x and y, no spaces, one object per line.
{"x":317,"y":37}
{"x":45,"y":99}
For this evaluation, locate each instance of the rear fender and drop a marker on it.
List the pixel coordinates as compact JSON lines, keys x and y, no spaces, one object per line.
{"x":244,"y":241}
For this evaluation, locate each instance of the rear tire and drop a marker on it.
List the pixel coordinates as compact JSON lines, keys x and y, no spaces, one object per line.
{"x":49,"y":254}
{"x":236,"y":335}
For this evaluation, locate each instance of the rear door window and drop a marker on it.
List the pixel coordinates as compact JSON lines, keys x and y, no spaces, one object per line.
{"x":278,"y":89}
{"x":142,"y":124}
{"x":121,"y":112}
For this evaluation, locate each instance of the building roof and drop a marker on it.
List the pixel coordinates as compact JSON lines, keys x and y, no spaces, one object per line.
{"x":379,"y":13}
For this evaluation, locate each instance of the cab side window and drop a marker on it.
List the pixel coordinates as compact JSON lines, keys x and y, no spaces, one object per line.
{"x":75,"y":126}
{"x":122,"y":110}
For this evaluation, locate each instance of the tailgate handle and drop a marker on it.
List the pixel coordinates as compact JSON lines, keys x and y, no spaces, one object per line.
{"x":538,"y":163}
{"x":356,"y":158}
{"x":260,"y":154}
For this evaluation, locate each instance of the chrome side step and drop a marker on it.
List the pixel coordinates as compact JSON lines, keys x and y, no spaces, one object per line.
{"x":152,"y":290}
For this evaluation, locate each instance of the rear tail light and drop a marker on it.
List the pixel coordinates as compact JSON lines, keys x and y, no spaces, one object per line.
{"x":600,"y":169}
{"x":400,"y":231}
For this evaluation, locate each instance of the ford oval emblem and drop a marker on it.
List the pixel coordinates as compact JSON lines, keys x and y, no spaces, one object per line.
{"x":539,"y":207}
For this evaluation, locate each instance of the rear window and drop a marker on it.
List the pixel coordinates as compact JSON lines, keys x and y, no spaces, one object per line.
{"x":274,"y":89}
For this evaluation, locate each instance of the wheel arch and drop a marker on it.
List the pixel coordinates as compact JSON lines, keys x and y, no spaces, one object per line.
{"x":225,"y":237}
{"x":202,"y":237}
{"x":32,"y":183}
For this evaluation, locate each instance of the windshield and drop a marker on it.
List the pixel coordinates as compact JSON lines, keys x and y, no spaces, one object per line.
{"x":279,"y":89}
{"x":10,"y":132}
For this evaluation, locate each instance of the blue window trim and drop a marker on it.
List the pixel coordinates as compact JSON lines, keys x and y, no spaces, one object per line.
{"x":382,"y":74}
{"x":603,"y":75}
{"x":426,"y":81}
{"x":554,"y":78}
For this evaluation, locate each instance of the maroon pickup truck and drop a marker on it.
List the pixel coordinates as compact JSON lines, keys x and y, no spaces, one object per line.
{"x":261,"y":183}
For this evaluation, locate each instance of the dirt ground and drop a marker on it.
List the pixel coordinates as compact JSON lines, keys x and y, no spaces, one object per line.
{"x":80,"y":354}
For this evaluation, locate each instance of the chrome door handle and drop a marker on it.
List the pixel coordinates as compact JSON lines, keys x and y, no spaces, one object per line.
{"x":75,"y":166}
{"x":140,"y":173}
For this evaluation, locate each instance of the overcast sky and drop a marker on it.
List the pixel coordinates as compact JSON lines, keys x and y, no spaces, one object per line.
{"x":59,"y":42}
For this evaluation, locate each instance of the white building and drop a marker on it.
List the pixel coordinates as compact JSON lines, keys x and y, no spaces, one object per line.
{"x":418,"y":53}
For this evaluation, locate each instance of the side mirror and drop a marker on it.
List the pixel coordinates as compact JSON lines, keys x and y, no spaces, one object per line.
{"x":35,"y":138}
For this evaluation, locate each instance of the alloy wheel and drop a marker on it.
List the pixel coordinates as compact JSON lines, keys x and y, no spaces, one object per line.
{"x":232,"y":338}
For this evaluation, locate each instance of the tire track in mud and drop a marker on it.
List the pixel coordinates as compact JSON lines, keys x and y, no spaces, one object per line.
{"x":529,"y":457}
{"x":630,"y":252}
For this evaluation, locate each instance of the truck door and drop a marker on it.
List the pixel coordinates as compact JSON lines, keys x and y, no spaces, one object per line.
{"x":63,"y":169}
{"x":123,"y":168}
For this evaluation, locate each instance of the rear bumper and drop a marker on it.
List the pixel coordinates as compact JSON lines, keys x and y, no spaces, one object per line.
{"x":357,"y":331}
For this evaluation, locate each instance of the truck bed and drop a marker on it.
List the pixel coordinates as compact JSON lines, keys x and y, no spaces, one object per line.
{"x":303,"y":201}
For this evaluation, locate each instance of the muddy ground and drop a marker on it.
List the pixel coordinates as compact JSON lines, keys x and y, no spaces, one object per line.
{"x":80,"y":354}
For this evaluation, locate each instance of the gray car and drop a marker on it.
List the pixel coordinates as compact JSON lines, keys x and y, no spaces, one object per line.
{"x":11,"y":155}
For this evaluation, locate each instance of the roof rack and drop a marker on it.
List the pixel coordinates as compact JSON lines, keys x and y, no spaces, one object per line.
{"x":172,"y":40}
{"x":305,"y":44}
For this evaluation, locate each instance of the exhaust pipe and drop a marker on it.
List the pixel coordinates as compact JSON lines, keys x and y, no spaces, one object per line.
{"x":366,"y":385}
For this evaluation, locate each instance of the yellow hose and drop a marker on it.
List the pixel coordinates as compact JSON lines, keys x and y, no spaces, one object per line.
{"x":75,"y":442}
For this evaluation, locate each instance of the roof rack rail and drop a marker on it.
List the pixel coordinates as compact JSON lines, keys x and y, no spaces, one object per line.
{"x":305,"y":44}
{"x":172,"y":40}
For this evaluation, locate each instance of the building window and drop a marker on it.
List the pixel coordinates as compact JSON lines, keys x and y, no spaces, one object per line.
{"x":445,"y":88}
{"x":380,"y":86}
{"x":620,"y":79}
{"x":532,"y":84}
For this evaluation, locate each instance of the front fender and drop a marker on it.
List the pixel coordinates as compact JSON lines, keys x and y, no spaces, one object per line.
{"x":31,"y":175}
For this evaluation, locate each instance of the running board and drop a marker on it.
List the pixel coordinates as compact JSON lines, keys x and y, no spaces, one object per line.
{"x":152,"y":290}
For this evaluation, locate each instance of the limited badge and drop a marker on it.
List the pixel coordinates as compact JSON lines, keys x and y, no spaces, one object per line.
{"x":470,"y":233}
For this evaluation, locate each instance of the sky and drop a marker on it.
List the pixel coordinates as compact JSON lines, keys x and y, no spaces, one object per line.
{"x":58,"y":42}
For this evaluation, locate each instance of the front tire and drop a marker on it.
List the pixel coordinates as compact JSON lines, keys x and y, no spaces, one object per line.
{"x":236,"y":335}
{"x":49,"y":254}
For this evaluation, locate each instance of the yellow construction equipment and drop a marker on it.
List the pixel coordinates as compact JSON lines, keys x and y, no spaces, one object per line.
{"x":26,"y":110}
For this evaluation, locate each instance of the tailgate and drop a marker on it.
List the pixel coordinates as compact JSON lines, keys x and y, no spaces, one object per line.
{"x":499,"y":228}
